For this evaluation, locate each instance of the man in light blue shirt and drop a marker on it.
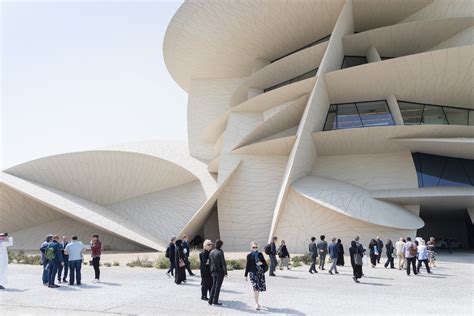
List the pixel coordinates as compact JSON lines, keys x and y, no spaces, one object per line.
{"x":74,"y":249}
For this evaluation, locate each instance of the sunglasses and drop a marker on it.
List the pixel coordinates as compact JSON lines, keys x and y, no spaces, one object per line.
{"x":254,"y":247}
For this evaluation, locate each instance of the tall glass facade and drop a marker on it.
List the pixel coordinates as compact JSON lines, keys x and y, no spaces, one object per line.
{"x":433,"y":170}
{"x":417,"y":113}
{"x":359,"y":114}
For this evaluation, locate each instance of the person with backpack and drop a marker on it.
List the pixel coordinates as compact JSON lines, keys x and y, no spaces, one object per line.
{"x":271,"y":251}
{"x":373,"y":252}
{"x":390,"y":250}
{"x":356,"y":261}
{"x":410,"y":250}
{"x":53,"y":254}
{"x":379,"y":248}
{"x":256,"y":266}
{"x":284,"y":256}
{"x":96,"y":247}
{"x":170,"y":254}
{"x":204,"y":266}
{"x":323,"y":251}
{"x":43,"y":260}
{"x":313,"y":252}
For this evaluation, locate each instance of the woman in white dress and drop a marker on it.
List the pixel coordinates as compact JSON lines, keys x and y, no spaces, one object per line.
{"x":5,"y":242}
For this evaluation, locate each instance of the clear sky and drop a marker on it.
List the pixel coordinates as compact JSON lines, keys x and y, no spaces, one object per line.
{"x":82,"y":75}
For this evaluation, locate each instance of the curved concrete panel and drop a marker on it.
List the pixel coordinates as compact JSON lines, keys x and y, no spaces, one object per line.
{"x":273,"y":147}
{"x":104,"y":177}
{"x":450,"y":147}
{"x":406,"y":38}
{"x":356,"y":202}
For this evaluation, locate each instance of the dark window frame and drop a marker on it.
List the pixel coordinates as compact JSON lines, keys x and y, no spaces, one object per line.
{"x":319,"y":41}
{"x":275,"y":86}
{"x":358,"y":113}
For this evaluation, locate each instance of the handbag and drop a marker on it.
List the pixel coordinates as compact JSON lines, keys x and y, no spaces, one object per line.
{"x":181,"y":263}
{"x":358,"y":259}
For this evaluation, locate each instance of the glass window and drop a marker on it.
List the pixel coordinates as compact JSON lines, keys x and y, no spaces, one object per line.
{"x":351,"y":61}
{"x":433,"y":114}
{"x":468,"y":166}
{"x":431,"y":168}
{"x":454,"y":174}
{"x":331,"y":119}
{"x":347,"y":116}
{"x":416,"y":160}
{"x":471,"y":118}
{"x":374,"y":113}
{"x":456,"y":116}
{"x":411,"y":112}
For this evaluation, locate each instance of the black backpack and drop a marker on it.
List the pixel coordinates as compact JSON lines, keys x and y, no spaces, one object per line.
{"x":167,"y":254}
{"x":268,"y":249}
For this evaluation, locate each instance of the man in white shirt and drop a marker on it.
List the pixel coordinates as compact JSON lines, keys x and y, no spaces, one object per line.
{"x":400,"y":255}
{"x":74,"y":249}
{"x":5,"y":242}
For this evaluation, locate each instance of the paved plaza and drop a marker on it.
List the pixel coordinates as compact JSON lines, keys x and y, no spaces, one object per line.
{"x":125,"y":290}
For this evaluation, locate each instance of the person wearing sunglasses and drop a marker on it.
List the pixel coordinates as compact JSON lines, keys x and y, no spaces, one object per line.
{"x":206,"y":277}
{"x":256,"y":267}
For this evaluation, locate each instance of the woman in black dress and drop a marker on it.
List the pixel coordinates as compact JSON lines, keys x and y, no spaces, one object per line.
{"x":180,"y":263}
{"x":206,"y":277}
{"x":340,"y":254}
{"x":256,"y":267}
{"x":356,"y":254}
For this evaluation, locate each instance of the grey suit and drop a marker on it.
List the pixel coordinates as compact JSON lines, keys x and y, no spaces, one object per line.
{"x":218,"y":271}
{"x":323,"y":251}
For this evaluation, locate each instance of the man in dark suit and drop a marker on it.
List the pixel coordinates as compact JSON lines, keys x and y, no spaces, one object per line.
{"x":313,"y":252}
{"x":273,"y":258}
{"x":218,"y":272}
{"x":379,"y":248}
{"x":187,"y":253}
{"x":66,"y":262}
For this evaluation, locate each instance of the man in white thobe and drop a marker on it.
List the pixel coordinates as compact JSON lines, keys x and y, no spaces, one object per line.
{"x":5,"y":242}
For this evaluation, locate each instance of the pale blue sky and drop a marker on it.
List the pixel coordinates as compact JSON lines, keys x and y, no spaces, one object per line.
{"x":78,"y":76}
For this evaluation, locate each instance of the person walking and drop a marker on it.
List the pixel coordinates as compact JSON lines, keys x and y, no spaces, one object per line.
{"x":423,"y":257}
{"x":74,"y":252}
{"x":256,"y":266}
{"x":340,"y":255}
{"x":284,"y":256}
{"x":379,"y":248}
{"x":273,"y":253}
{"x":5,"y":241}
{"x":204,"y":266}
{"x":96,"y":248}
{"x":323,"y":251}
{"x":410,"y":250}
{"x":180,"y":262}
{"x":373,"y":252}
{"x":333,"y":254}
{"x":356,"y":261}
{"x":62,"y":277}
{"x":171,"y":255}
{"x":400,"y":254}
{"x":389,"y":248}
{"x":431,"y":245}
{"x":55,"y":258}
{"x":43,"y":260}
{"x":187,"y":253}
{"x":218,"y":272}
{"x":313,"y":252}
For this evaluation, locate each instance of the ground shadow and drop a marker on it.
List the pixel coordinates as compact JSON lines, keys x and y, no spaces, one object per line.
{"x":289,"y":277}
{"x":378,"y":278}
{"x":109,"y":283}
{"x":242,"y":307}
{"x":375,"y":284}
{"x":231,"y":291}
{"x":13,"y":290}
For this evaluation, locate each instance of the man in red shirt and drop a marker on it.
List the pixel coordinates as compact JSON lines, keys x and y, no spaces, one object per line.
{"x":96,"y":248}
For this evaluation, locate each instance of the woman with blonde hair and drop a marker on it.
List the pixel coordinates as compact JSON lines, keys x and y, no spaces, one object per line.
{"x":256,"y":267}
{"x":206,"y":277}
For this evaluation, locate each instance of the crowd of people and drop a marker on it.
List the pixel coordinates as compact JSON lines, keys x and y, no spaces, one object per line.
{"x":62,"y":257}
{"x":213,"y":265}
{"x":59,"y":258}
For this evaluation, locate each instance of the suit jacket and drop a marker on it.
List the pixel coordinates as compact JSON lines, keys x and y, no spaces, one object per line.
{"x":204,"y":266}
{"x":217,"y":261}
{"x":185,"y":246}
{"x":313,"y":249}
